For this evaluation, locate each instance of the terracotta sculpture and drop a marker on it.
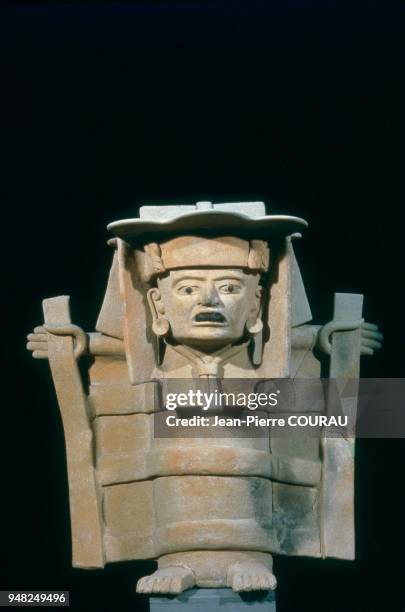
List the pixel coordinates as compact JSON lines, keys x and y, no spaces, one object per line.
{"x":205,"y":291}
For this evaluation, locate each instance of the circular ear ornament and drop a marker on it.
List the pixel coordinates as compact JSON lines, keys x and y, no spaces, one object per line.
{"x":254,"y":326}
{"x":161,"y":326}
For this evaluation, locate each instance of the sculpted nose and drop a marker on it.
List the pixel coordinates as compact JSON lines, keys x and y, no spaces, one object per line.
{"x":210,"y":295}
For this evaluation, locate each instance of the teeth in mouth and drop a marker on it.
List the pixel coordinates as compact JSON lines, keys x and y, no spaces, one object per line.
{"x":213,"y":317}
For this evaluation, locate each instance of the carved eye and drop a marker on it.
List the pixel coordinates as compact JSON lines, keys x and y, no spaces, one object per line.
{"x":230,"y":288}
{"x":188,"y":290}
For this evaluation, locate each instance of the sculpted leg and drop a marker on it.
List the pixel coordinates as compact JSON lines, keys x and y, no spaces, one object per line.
{"x":250,"y":576}
{"x":167,"y":580}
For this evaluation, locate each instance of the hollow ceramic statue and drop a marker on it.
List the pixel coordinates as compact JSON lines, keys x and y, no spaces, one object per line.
{"x":204,"y":291}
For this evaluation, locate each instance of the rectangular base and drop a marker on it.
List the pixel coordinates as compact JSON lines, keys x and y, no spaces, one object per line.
{"x":214,"y":600}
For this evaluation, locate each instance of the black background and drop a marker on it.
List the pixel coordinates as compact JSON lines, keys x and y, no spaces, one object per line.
{"x":106,"y":106}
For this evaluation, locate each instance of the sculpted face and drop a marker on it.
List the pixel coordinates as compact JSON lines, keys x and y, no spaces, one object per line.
{"x":208,"y":308}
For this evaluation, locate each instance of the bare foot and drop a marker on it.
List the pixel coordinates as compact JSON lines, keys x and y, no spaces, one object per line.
{"x":167,"y":580}
{"x":250,"y":576}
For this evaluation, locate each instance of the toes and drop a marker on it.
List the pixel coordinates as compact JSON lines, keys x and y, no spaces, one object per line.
{"x":175,"y":585}
{"x":256,"y":582}
{"x":165,"y":585}
{"x":272,"y":581}
{"x":264,"y":582}
{"x":141,"y":585}
{"x":188,"y":581}
{"x":146,"y":584}
{"x":247,"y":583}
{"x":253,"y":582}
{"x":173,"y":580}
{"x":156,"y":586}
{"x":237,"y":583}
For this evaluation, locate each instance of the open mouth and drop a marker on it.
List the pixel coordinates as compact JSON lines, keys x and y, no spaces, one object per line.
{"x":210,"y":317}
